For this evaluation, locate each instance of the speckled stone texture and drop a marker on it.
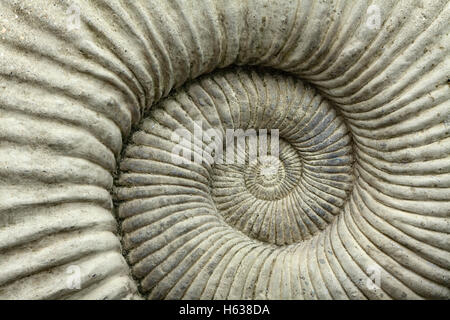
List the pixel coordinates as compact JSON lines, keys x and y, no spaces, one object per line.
{"x":93,"y":207}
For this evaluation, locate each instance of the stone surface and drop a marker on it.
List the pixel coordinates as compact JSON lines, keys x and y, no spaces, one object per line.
{"x":91,"y":206}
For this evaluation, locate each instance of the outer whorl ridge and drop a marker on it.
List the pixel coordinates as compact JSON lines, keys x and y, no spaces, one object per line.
{"x":361,"y":185}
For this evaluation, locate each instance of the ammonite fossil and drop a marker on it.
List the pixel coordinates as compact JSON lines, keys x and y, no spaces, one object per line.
{"x":354,"y":203}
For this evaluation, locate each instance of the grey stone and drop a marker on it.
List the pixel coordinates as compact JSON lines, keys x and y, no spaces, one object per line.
{"x":92,"y":206}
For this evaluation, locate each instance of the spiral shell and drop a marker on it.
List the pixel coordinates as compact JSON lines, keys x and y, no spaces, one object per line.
{"x":174,"y":211}
{"x":361,"y":189}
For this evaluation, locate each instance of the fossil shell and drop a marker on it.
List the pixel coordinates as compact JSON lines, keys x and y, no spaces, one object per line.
{"x":360,"y":96}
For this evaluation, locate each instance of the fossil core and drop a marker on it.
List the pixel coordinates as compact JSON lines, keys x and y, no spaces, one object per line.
{"x":355,"y":204}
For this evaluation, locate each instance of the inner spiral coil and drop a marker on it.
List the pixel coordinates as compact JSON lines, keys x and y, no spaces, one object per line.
{"x":172,"y":206}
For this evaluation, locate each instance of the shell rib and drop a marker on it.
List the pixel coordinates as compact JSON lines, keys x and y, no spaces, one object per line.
{"x":69,"y":99}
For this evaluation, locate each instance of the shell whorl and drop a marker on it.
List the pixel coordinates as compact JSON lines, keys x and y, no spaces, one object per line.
{"x":70,"y":98}
{"x":174,"y":212}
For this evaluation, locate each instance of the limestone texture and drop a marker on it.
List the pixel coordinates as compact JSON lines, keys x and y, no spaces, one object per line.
{"x":93,"y":207}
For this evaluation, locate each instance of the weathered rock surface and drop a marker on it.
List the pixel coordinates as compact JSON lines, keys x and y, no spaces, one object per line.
{"x":360,"y":208}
